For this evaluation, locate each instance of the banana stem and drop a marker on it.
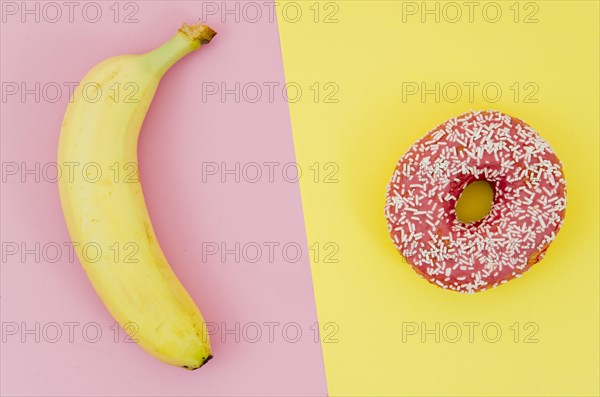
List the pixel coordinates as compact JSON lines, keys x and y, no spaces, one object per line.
{"x":189,"y":38}
{"x":200,"y":32}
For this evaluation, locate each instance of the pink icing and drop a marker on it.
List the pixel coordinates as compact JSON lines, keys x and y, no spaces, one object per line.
{"x":528,"y":209}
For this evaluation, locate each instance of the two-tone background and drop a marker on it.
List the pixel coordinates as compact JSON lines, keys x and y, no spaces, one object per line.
{"x":264,"y":160}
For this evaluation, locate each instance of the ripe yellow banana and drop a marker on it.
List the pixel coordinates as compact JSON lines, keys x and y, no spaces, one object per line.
{"x":105,"y":210}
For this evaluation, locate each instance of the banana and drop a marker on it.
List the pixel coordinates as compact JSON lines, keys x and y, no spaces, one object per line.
{"x":104,"y":206}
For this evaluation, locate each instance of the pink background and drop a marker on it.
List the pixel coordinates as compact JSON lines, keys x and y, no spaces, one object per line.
{"x":180,"y":134}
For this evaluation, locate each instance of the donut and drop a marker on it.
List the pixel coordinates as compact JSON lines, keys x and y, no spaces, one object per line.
{"x":527,"y":212}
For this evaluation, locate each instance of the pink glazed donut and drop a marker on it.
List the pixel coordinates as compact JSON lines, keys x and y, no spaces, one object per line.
{"x":527,"y":212}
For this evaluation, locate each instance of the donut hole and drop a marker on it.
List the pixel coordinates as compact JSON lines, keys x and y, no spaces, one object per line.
{"x":475,"y":202}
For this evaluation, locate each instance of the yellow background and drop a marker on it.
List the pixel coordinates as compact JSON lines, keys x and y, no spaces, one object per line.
{"x":371,"y":292}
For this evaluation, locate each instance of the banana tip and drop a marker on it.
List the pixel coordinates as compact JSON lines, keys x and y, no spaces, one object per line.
{"x":207,"y":359}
